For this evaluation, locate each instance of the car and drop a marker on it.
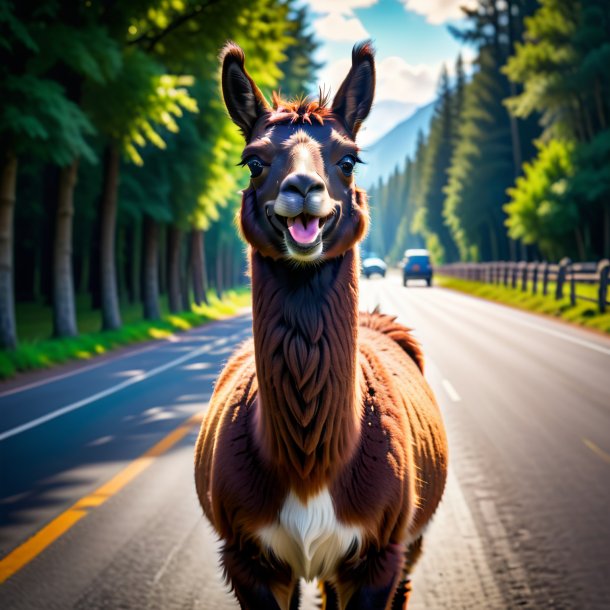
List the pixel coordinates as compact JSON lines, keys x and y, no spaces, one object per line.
{"x":372,"y":265}
{"x":417,"y":266}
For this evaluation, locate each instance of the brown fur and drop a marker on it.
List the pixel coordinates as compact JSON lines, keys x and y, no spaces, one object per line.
{"x":322,"y":397}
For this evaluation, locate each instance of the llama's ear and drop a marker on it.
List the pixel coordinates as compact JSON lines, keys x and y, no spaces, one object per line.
{"x":243,"y":98}
{"x":355,"y":96}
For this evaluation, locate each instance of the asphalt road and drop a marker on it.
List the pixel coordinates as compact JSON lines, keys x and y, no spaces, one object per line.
{"x":96,"y":468}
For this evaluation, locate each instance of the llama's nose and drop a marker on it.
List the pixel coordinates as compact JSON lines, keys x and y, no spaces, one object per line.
{"x":302,"y":183}
{"x":301,"y":192}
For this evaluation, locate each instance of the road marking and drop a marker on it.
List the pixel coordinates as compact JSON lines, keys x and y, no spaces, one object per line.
{"x":515,"y":317}
{"x":112,"y":357}
{"x":112,"y":390}
{"x":451,"y":391}
{"x":598,"y":452}
{"x":82,"y":369}
{"x":35,"y":545}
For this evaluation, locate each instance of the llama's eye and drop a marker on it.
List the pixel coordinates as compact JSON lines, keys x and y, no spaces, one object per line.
{"x":255,"y":165}
{"x":347,"y":165}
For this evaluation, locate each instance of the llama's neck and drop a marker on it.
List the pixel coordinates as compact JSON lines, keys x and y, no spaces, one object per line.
{"x":305,"y":338}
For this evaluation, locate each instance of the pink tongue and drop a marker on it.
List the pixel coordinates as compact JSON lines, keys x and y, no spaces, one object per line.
{"x":304,"y":233}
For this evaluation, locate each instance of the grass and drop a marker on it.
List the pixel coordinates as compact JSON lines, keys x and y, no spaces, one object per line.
{"x":584,"y":313}
{"x":38,"y":349}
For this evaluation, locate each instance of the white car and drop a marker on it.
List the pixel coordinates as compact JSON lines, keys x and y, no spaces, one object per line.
{"x":372,"y":265}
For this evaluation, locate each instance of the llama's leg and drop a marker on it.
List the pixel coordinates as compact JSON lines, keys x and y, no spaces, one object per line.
{"x":371,"y":584}
{"x":403,"y":592}
{"x":256,"y":584}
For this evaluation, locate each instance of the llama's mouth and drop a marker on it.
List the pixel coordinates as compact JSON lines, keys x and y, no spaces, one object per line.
{"x":304,"y":229}
{"x":304,"y":232}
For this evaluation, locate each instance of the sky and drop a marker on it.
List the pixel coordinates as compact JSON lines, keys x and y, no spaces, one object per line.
{"x":412,"y":42}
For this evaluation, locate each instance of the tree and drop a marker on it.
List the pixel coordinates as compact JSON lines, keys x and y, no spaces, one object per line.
{"x":36,"y":117}
{"x":491,"y":144}
{"x":562,"y":65}
{"x":541,"y":210}
{"x":136,"y":104}
{"x":74,"y":49}
{"x":435,"y":164}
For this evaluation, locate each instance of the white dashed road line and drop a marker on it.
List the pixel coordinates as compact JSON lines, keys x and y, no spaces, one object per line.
{"x":451,"y":391}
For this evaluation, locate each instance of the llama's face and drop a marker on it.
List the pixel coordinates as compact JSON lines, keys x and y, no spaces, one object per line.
{"x":302,"y":203}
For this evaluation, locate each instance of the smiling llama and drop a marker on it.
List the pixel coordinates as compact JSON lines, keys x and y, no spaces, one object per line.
{"x":323,"y":453}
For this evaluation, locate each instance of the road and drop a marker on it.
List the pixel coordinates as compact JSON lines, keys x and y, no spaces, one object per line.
{"x":96,"y":467}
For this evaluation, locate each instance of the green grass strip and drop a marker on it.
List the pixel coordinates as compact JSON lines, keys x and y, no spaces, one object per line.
{"x":44,"y":353}
{"x":584,"y":313}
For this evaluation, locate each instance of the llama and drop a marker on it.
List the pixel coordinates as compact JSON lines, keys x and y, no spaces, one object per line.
{"x":323,"y":453}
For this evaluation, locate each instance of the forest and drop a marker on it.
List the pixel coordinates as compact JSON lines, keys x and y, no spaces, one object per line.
{"x":516,"y":165}
{"x":118,"y":182}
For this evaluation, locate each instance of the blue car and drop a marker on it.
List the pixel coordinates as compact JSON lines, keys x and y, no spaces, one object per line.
{"x":417,"y":266}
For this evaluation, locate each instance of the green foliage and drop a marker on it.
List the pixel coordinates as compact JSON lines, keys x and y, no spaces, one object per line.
{"x":299,"y":68}
{"x":435,"y":164}
{"x":35,"y":115}
{"x":138,"y":101}
{"x":563,"y":66}
{"x":541,"y":210}
{"x":481,"y":168}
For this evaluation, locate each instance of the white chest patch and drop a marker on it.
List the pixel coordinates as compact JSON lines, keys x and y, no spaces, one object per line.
{"x":308,"y":537}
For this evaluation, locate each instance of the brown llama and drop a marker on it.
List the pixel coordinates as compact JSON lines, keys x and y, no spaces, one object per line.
{"x":323,"y":453}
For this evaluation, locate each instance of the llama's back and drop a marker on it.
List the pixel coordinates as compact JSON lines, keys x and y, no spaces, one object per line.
{"x":394,"y":360}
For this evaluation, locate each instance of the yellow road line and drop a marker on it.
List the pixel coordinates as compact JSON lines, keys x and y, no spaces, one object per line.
{"x":598,"y":452}
{"x":32,"y":547}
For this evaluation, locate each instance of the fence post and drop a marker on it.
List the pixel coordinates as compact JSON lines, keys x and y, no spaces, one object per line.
{"x":603,"y":269}
{"x":514,"y":276}
{"x":564,"y":263}
{"x":572,"y":273}
{"x":545,"y":277}
{"x":524,"y":277}
{"x":534,"y":278}
{"x":506,"y":268}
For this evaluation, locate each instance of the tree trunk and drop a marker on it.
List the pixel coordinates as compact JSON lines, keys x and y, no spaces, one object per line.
{"x":205,"y":282}
{"x":185,"y":278}
{"x":50,"y":192}
{"x":606,"y":244}
{"x":579,"y":244}
{"x":198,"y":267}
{"x":152,"y":310}
{"x":599,"y":103}
{"x":163,"y":261}
{"x":8,"y":184}
{"x":121,"y":261}
{"x":135,"y":262}
{"x":219,"y":267}
{"x":111,"y":314}
{"x":64,"y":308}
{"x":173,"y":269}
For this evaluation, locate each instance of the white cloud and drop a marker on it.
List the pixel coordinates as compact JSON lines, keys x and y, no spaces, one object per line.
{"x":338,"y":27}
{"x":438,"y":11}
{"x":396,"y":79}
{"x":336,"y":20}
{"x":338,"y":6}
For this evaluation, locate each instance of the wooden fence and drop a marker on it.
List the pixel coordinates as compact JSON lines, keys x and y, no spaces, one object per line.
{"x":538,"y":277}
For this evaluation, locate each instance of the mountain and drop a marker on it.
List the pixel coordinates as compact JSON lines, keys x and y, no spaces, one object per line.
{"x":384,"y":116}
{"x":392,"y":149}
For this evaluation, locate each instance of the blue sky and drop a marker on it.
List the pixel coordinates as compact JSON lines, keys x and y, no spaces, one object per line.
{"x":412,"y":42}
